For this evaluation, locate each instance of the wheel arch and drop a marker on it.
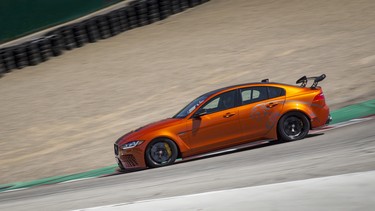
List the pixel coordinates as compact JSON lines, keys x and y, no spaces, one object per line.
{"x":179,"y":154}
{"x":296,"y":110}
{"x":290,"y":111}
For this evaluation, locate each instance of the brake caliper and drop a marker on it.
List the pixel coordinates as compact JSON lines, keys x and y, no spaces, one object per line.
{"x":168,"y":148}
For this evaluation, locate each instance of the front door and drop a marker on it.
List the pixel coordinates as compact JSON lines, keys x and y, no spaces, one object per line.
{"x":217,"y":126}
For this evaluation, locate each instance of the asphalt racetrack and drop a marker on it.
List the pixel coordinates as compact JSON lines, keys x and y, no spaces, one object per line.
{"x":339,"y":151}
{"x":70,"y":110}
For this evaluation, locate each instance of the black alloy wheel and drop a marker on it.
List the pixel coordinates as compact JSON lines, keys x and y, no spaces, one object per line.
{"x":293,"y":126}
{"x":161,"y":152}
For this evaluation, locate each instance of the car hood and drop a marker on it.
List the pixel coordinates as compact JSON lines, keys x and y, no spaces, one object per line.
{"x":138,"y":133}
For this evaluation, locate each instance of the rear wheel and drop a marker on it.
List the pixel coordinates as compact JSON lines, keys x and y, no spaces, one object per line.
{"x":293,"y":126}
{"x":161,"y":152}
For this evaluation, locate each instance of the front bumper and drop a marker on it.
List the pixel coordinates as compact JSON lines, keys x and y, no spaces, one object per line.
{"x":130,"y":158}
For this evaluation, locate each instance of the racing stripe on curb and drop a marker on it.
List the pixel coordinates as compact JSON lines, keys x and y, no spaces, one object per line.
{"x":342,"y":124}
{"x":59,"y":179}
{"x":348,"y":115}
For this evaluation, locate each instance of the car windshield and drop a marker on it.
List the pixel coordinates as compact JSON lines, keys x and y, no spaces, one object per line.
{"x":190,"y":107}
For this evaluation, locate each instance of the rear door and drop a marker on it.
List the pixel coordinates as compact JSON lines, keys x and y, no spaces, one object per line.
{"x":260,"y":109}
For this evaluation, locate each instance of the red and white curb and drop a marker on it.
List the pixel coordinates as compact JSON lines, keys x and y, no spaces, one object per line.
{"x":342,"y":124}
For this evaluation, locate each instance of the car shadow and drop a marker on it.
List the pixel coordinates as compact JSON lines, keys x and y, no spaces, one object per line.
{"x":270,"y":143}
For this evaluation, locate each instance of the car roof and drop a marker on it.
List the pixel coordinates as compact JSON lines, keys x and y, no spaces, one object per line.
{"x":213,"y":92}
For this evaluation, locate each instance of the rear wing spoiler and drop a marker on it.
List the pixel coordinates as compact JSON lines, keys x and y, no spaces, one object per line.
{"x":303,"y":80}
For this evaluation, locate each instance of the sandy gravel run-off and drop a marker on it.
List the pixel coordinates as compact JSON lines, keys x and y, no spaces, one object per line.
{"x":63,"y":116}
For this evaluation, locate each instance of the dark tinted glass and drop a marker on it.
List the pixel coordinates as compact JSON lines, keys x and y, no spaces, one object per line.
{"x":190,"y":107}
{"x":221,"y":102}
{"x":275,"y":92}
{"x":253,"y":94}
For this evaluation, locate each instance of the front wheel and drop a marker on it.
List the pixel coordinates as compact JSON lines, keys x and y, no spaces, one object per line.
{"x":161,"y":152}
{"x":293,"y":126}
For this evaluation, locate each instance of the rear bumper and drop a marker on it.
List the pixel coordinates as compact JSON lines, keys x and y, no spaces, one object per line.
{"x":329,"y":120}
{"x":321,"y":116}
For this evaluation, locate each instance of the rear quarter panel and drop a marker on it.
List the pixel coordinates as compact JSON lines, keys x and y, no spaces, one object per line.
{"x":301,"y":99}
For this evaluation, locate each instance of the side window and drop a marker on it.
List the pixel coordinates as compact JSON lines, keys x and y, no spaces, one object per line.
{"x":275,"y":92}
{"x":253,"y":94}
{"x":246,"y":95}
{"x":221,"y":102}
{"x":213,"y":104}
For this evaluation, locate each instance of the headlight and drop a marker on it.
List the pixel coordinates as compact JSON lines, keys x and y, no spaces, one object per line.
{"x":131,"y":144}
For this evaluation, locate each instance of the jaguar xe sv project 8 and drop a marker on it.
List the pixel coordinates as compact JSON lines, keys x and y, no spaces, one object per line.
{"x":225,"y":118}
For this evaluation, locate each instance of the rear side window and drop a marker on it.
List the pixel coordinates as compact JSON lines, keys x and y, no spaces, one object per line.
{"x":275,"y":92}
{"x":253,"y":94}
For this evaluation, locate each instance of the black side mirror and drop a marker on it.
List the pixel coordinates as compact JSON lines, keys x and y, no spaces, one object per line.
{"x":198,"y":114}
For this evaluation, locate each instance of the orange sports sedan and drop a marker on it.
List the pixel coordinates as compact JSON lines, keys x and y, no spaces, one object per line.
{"x":225,"y":118}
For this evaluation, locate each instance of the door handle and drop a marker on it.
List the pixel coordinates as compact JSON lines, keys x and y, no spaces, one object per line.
{"x":227,"y":115}
{"x":270,"y":105}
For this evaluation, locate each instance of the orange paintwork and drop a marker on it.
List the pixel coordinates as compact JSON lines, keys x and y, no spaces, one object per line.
{"x":226,"y":128}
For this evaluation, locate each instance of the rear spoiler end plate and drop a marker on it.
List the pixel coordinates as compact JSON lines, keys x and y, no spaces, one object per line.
{"x":303,"y":80}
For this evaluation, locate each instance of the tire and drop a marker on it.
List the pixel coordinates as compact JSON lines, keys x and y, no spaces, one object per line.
{"x":56,"y":44}
{"x":80,"y":34}
{"x":33,"y":53}
{"x":2,"y":67}
{"x":131,"y":16}
{"x":20,"y":56}
{"x":8,"y":59}
{"x":161,"y":152}
{"x":103,"y":26}
{"x":175,"y":6}
{"x":293,"y":126}
{"x":184,"y":4}
{"x":45,"y":48}
{"x":114,"y":23}
{"x":193,"y":3}
{"x":123,"y":18}
{"x":93,"y":34}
